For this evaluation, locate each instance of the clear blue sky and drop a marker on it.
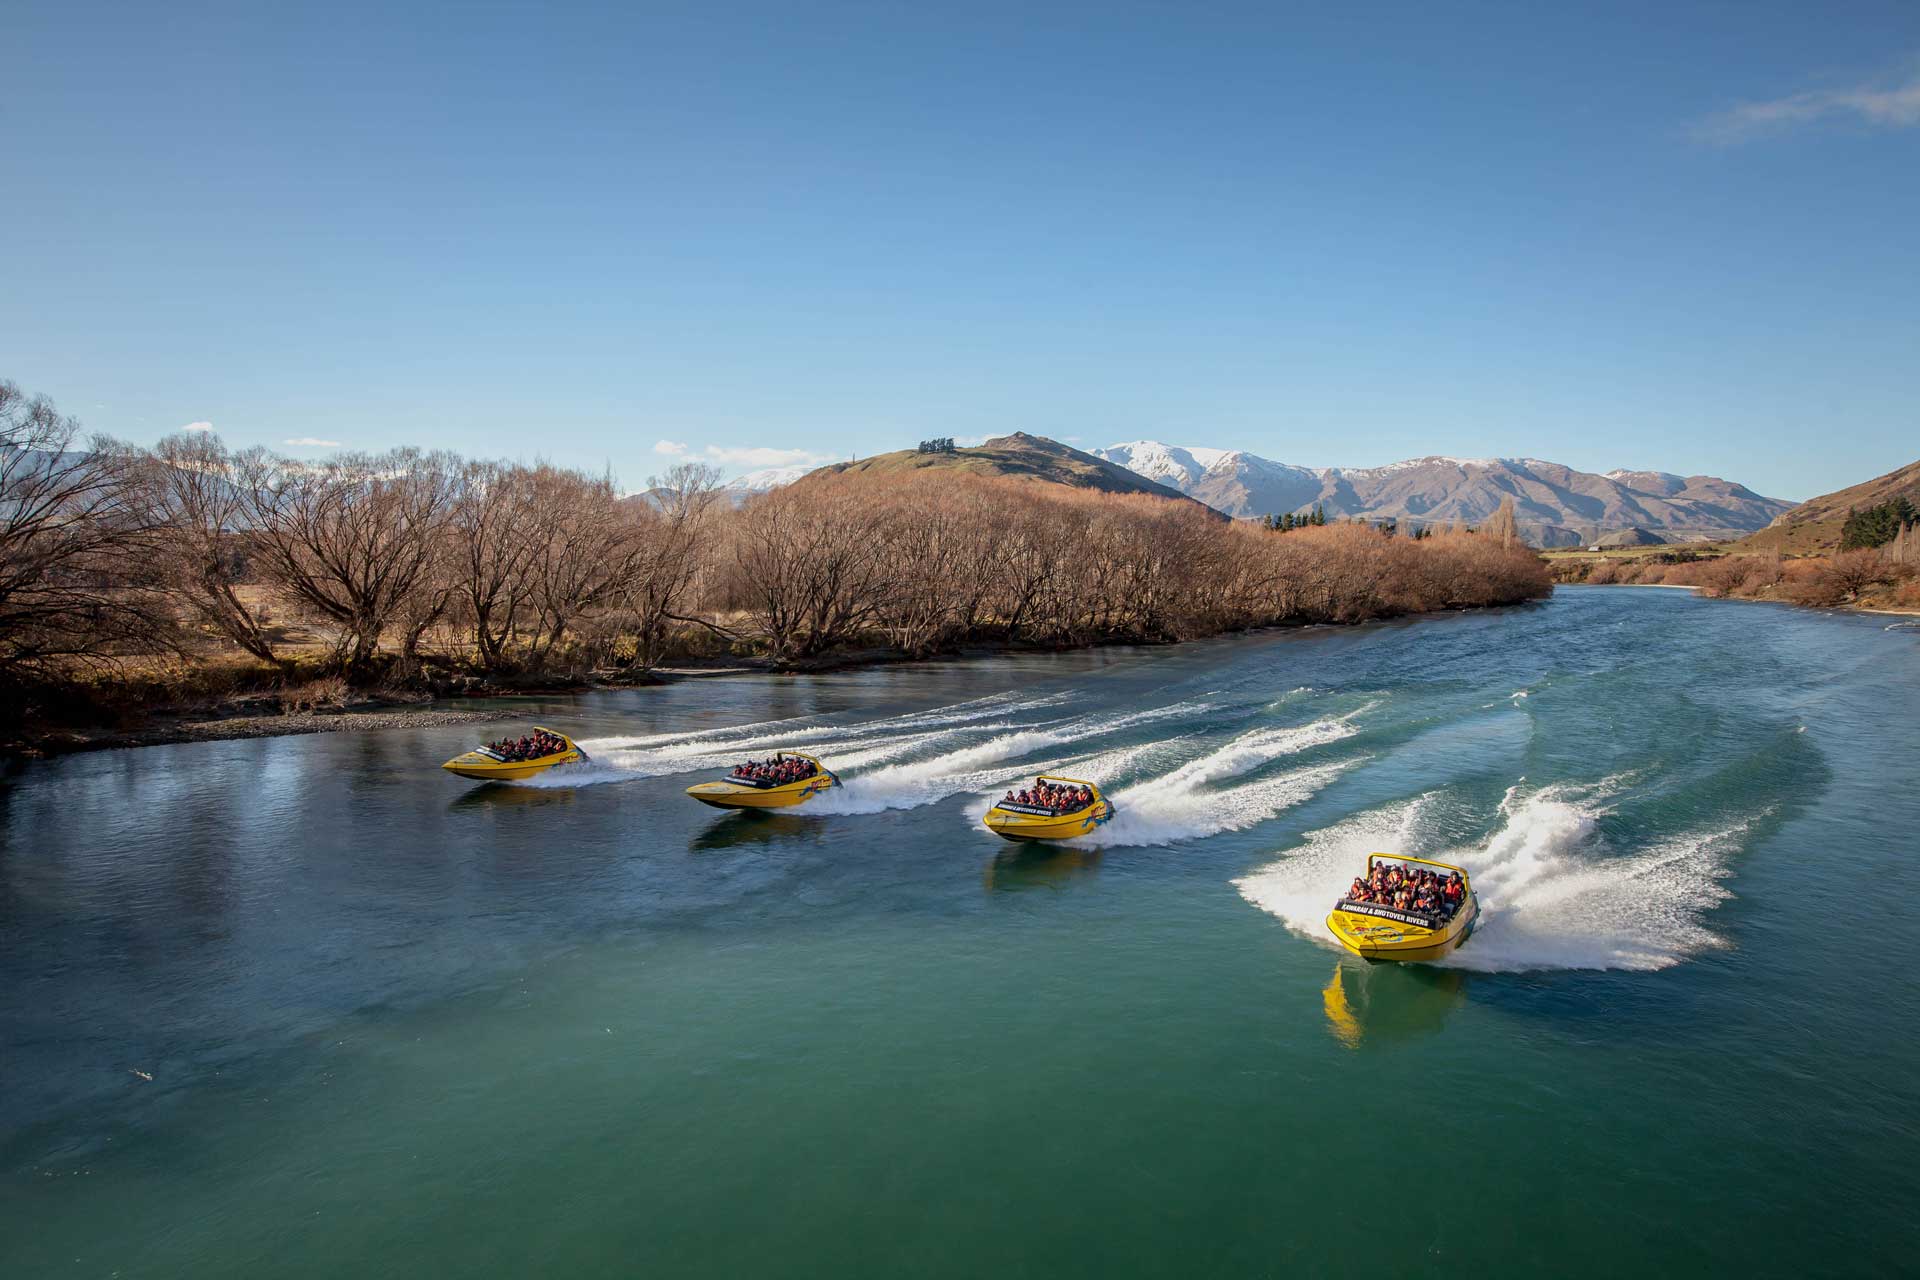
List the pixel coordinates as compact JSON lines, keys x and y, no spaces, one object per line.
{"x":1661,"y":235}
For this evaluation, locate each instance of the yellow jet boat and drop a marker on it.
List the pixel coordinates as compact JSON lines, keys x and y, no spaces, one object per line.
{"x":1037,"y":822}
{"x":1376,"y":931}
{"x":487,"y":765}
{"x":738,"y":793}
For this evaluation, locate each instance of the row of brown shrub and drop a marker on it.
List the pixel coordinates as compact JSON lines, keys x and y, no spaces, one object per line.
{"x":929,"y":561}
{"x":408,"y":558}
{"x":1860,"y":577}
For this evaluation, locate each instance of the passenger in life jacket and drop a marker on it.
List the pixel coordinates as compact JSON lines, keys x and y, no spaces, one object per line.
{"x":1050,"y":795}
{"x":530,"y":746}
{"x":774,"y":772}
{"x":1410,"y":889}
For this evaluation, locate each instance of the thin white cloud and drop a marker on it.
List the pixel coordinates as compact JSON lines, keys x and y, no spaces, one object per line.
{"x":1885,"y":103}
{"x":198,"y":426}
{"x":759,"y":456}
{"x":670,"y":448}
{"x":311,"y":442}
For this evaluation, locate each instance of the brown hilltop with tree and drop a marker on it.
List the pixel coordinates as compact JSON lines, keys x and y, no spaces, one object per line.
{"x":1819,"y":524}
{"x":1018,"y":456}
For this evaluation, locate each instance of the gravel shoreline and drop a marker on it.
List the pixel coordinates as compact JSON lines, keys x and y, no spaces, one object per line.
{"x":164,"y":730}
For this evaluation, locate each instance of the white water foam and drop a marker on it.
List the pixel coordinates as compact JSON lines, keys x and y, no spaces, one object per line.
{"x":852,"y":745}
{"x":1187,"y":802}
{"x":923,"y":782}
{"x":618,"y":763}
{"x":1147,"y":815}
{"x":767,"y":733}
{"x":1551,"y":895}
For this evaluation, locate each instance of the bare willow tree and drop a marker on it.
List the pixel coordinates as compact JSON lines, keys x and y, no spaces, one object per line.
{"x":206,"y":539}
{"x":1501,"y":526}
{"x":808,"y":566}
{"x":586,"y":546}
{"x":932,"y":544}
{"x":353,"y":539}
{"x":76,"y":582}
{"x":1039,"y":540}
{"x":497,"y":531}
{"x":1905,"y":547}
{"x":673,"y":527}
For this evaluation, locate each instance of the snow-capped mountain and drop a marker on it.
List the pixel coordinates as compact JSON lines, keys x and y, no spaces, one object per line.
{"x":766,"y":478}
{"x":738,"y":489}
{"x":1555,"y":504}
{"x":1172,"y":466}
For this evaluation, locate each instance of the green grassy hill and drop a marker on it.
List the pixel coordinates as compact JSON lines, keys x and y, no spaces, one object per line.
{"x":1019,"y":455}
{"x":1813,"y":527}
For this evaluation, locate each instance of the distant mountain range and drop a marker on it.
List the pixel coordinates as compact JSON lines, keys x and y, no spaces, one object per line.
{"x":1554,"y":504}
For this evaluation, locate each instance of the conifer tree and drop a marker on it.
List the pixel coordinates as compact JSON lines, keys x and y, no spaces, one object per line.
{"x":1877,"y":525}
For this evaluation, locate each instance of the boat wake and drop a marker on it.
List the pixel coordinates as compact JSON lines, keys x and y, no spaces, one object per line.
{"x":921,"y":782}
{"x":1552,"y":894}
{"x":856,"y":745}
{"x":1188,"y":801}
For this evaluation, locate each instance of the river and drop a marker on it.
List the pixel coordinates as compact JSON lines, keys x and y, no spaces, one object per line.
{"x":398,"y":1024}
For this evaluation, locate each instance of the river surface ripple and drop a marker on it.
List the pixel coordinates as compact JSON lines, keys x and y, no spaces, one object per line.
{"x":399,"y":1024}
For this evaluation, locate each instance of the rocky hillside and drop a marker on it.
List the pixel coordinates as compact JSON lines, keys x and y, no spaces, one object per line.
{"x":1814,"y":525}
{"x":1556,"y":505}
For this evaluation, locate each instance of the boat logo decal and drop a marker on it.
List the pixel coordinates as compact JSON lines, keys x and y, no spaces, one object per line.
{"x":1387,"y":913}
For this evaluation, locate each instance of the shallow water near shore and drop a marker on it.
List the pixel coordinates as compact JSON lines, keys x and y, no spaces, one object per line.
{"x":400,"y":1024}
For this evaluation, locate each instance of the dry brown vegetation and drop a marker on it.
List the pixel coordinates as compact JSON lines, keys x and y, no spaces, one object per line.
{"x":420,"y":570}
{"x":1877,"y":578}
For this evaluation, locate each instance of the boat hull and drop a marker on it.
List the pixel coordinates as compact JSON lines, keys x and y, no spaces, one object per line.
{"x":1012,"y":825}
{"x":483,"y":768}
{"x":739,"y":795}
{"x":1381,"y":937}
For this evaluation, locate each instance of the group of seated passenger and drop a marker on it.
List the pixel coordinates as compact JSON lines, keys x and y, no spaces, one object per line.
{"x":532,"y":746}
{"x":774,"y":772}
{"x":1048,"y":795}
{"x":1410,"y":889}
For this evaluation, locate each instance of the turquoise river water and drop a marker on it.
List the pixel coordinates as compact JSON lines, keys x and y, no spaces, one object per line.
{"x":398,"y":1024}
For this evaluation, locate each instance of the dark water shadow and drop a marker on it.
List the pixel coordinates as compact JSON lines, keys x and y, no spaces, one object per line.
{"x":1378,"y":1005}
{"x":1040,"y":866}
{"x":744,"y":828}
{"x":503,"y":795}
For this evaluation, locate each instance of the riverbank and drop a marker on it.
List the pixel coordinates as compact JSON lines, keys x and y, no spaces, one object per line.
{"x":1743,"y":599}
{"x":218,"y":719}
{"x":1863,"y":580}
